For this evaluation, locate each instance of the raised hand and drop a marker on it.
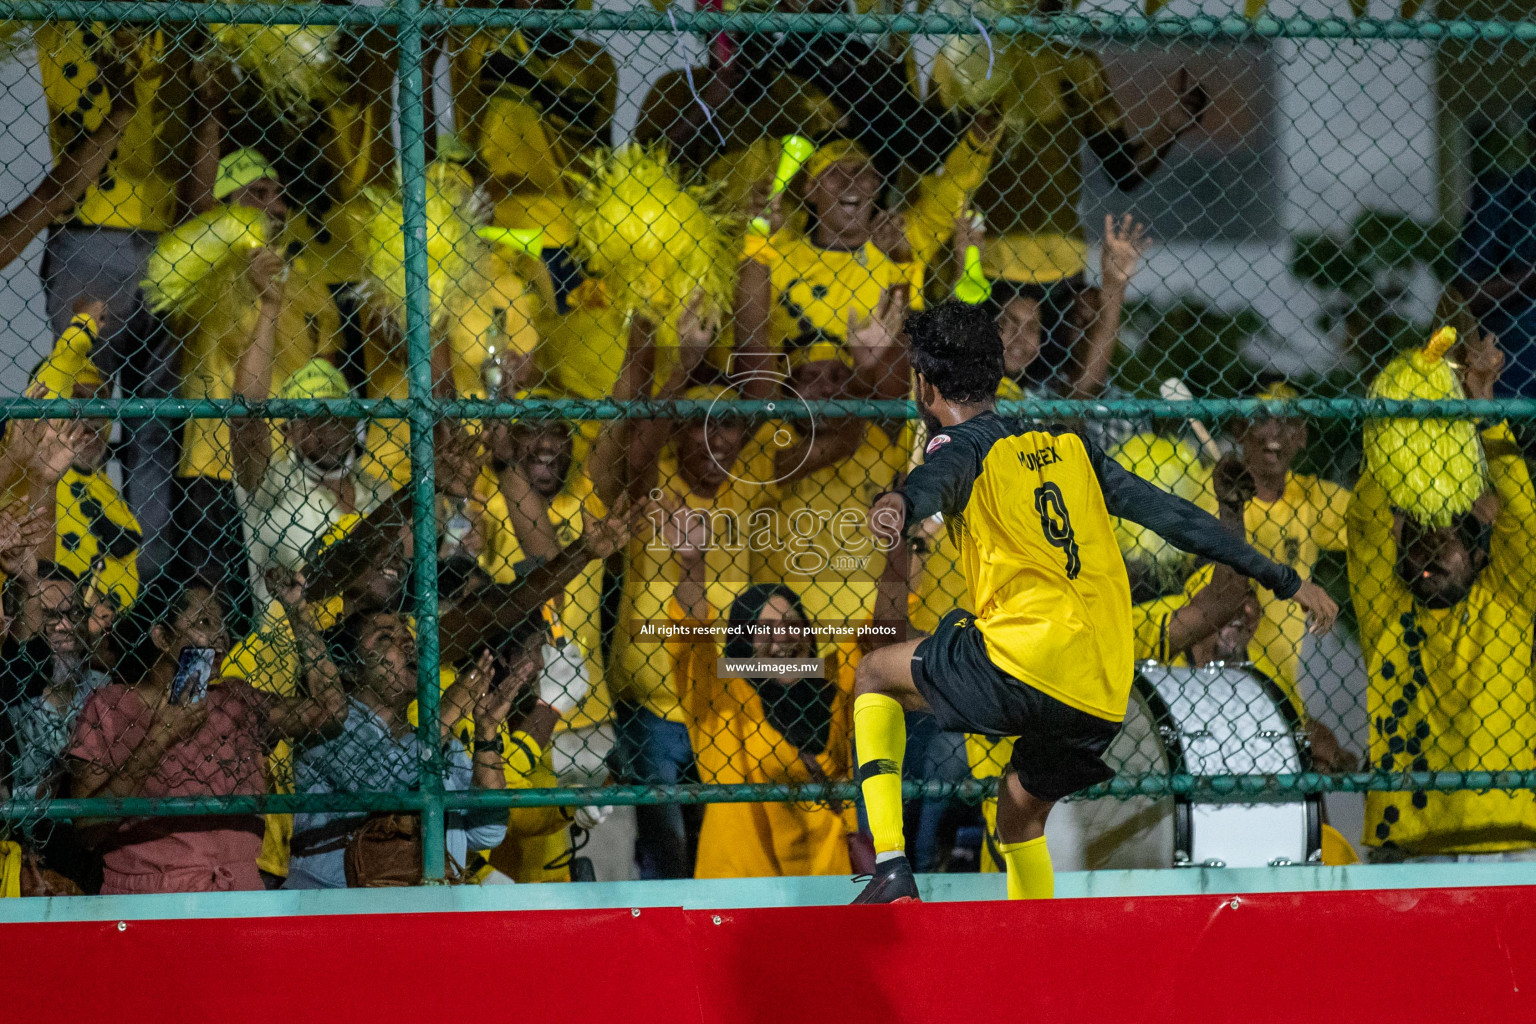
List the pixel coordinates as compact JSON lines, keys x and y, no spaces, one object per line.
{"x":1124,"y":245}
{"x":22,"y":530}
{"x":697,"y":326}
{"x":889,"y":233}
{"x":609,"y":534}
{"x":458,"y":459}
{"x":268,"y":274}
{"x":888,"y":520}
{"x":870,"y":340}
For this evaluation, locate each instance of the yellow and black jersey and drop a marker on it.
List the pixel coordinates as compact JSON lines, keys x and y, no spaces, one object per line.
{"x":1031,"y":504}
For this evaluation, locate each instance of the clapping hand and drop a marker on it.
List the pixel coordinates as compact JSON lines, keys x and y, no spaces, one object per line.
{"x":609,"y":534}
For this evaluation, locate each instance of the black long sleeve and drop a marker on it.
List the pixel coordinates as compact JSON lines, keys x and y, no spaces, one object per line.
{"x":1185,"y":525}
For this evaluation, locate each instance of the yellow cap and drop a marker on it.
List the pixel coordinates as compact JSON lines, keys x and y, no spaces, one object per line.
{"x":1279,"y":391}
{"x":69,"y":364}
{"x":819,"y":352}
{"x":239,"y":169}
{"x":317,"y":378}
{"x":832,"y":153}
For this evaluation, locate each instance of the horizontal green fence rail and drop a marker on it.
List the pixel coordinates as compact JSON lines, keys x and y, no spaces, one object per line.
{"x":1203,"y":788}
{"x":610,"y":409}
{"x":1084,"y":26}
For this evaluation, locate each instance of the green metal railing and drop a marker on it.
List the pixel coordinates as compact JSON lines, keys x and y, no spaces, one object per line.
{"x":411,"y":22}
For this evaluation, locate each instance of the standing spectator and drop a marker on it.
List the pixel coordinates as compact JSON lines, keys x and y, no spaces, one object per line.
{"x":78,"y":166}
{"x":854,"y":263}
{"x":1498,"y":265}
{"x":158,"y":170}
{"x":89,"y":529}
{"x":294,"y":496}
{"x":710,"y":468}
{"x":132,"y":739}
{"x":1290,"y":517}
{"x":823,"y":480}
{"x":277,"y":306}
{"x":1445,"y":622}
{"x":378,"y":749}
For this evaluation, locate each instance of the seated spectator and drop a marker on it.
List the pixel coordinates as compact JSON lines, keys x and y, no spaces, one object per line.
{"x":778,"y":728}
{"x":1290,"y":517}
{"x":1445,"y":623}
{"x":46,"y":676}
{"x":143,"y":736}
{"x":378,"y":749}
{"x":87,"y":527}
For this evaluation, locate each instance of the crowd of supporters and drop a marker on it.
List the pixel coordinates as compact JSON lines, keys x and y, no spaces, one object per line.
{"x":593,"y":578}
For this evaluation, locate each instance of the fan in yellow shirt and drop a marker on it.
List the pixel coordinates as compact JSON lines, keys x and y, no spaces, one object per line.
{"x":1445,"y":623}
{"x":767,"y":728}
{"x":1053,"y":98}
{"x":1290,"y":517}
{"x":796,"y":289}
{"x":825,"y":477}
{"x":92,"y":533}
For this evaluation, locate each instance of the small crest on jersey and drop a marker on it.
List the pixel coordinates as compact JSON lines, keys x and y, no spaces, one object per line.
{"x":936,"y":442}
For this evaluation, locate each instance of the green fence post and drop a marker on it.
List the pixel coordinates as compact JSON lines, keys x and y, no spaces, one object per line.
{"x":418,"y":339}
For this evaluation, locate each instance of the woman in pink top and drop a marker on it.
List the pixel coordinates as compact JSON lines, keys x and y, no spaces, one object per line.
{"x":130,"y":741}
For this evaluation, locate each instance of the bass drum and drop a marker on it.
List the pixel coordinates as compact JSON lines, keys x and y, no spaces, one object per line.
{"x":1214,"y":720}
{"x":1104,"y":834}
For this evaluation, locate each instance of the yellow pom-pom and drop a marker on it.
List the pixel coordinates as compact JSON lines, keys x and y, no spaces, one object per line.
{"x":652,"y":240}
{"x":199,"y":261}
{"x":1434,"y":469}
{"x":1174,"y":467}
{"x":295,"y":66}
{"x":456,"y":254}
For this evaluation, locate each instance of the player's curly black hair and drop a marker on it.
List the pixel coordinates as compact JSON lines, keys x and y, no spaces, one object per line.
{"x":957,"y":349}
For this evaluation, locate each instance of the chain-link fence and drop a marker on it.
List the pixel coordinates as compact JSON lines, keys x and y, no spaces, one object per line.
{"x":470,"y":416}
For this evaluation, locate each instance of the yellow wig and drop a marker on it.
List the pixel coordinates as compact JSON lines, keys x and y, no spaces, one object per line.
{"x":1434,"y":470}
{"x":653,"y":241}
{"x":456,"y":254}
{"x":198,"y":261}
{"x":295,"y":66}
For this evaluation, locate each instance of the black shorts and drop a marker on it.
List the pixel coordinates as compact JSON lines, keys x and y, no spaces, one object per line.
{"x":1059,"y":750}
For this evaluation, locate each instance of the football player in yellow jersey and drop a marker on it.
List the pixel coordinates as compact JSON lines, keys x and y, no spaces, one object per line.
{"x":1445,"y":624}
{"x":1047,"y":656}
{"x":1291,"y":517}
{"x":159,"y":168}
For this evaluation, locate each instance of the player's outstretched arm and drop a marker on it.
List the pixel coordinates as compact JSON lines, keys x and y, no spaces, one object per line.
{"x":1190,"y":529}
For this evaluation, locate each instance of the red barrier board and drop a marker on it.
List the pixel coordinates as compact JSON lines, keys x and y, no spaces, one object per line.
{"x":1434,"y":955}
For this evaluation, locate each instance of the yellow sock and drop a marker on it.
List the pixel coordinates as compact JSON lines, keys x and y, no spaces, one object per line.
{"x":880,"y":734}
{"x":1030,"y":876}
